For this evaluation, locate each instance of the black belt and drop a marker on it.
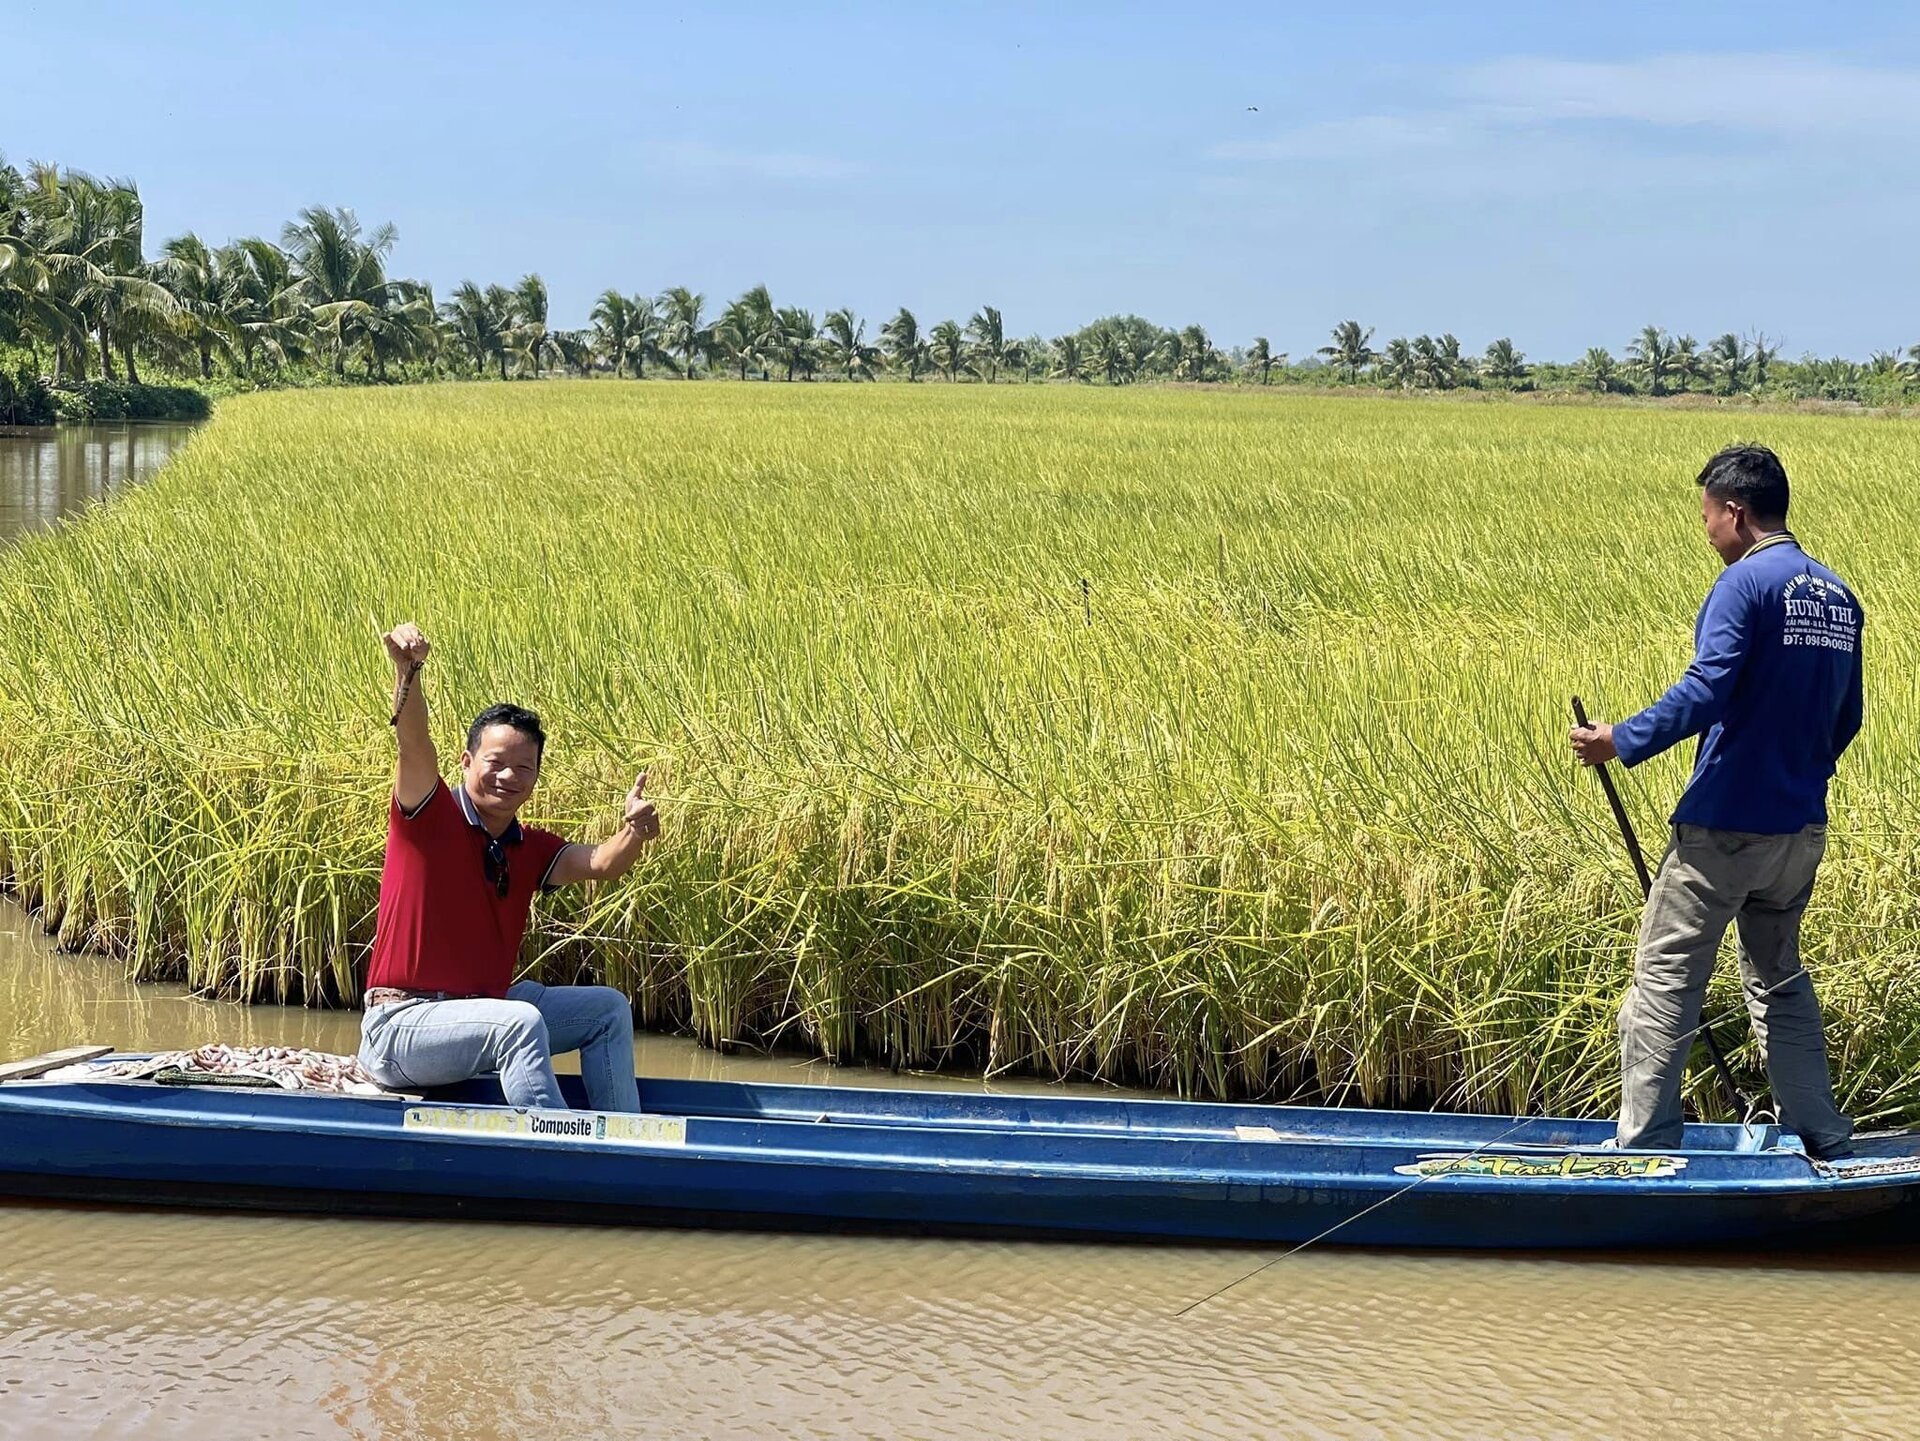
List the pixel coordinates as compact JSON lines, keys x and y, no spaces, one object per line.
{"x":392,"y":995}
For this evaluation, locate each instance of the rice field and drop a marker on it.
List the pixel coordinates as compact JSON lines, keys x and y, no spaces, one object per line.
{"x":1211,"y":741}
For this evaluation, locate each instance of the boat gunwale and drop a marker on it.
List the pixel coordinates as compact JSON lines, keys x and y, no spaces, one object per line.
{"x":1375,"y":1173}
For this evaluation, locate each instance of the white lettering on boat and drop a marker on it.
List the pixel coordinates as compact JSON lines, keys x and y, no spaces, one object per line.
{"x":1572,"y":1166}
{"x":605,"y":1127}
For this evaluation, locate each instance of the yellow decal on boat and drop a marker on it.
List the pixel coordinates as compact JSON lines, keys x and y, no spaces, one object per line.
{"x":611,"y":1127}
{"x":1572,"y":1166}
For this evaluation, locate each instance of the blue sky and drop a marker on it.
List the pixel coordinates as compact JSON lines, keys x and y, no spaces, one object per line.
{"x":1562,"y":175}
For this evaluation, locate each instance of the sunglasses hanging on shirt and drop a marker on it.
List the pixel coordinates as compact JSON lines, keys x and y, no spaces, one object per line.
{"x":496,"y":866}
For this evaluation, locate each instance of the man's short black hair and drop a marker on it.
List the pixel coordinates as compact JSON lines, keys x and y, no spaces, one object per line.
{"x":1749,"y":475}
{"x":506,"y":714}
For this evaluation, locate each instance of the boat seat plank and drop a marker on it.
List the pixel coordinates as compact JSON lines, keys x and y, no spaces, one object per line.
{"x":26,"y":1070}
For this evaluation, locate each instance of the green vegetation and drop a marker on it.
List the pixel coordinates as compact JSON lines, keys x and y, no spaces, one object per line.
{"x":25,"y":399}
{"x":320,"y":307}
{"x":1212,"y":739}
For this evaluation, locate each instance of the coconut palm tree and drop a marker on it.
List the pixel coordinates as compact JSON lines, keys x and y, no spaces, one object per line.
{"x":86,"y":239}
{"x":987,"y":341}
{"x":1191,"y":355}
{"x":626,"y":330}
{"x":748,"y":332}
{"x":1396,"y":363}
{"x":1505,"y":364}
{"x":1601,"y":370}
{"x":1111,"y":352}
{"x":527,"y":333}
{"x":478,"y":321}
{"x":115,"y":295}
{"x":685,"y":332}
{"x":846,"y":345}
{"x":1729,"y":359}
{"x":1068,"y":363}
{"x":1033,"y":357}
{"x":1833,"y":379}
{"x":192,"y":276}
{"x":1685,"y":363}
{"x":579,"y":350}
{"x":1350,"y":351}
{"x":1014,"y":359}
{"x":401,"y":330}
{"x":1260,"y":357}
{"x":1650,"y":355}
{"x":900,"y":340}
{"x":1169,"y":355}
{"x":948,"y":348}
{"x":28,"y":312}
{"x":1430,"y":370}
{"x":339,"y":276}
{"x":612,"y":318}
{"x":797,"y":341}
{"x":261,"y":313}
{"x":646,"y":342}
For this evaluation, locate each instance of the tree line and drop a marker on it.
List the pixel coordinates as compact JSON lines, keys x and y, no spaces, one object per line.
{"x":80,"y":296}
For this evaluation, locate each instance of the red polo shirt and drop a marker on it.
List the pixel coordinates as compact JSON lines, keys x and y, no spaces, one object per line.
{"x":442,"y":925}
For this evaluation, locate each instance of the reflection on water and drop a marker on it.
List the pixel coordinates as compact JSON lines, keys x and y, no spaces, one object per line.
{"x":123,"y":1322}
{"x":45,"y":474}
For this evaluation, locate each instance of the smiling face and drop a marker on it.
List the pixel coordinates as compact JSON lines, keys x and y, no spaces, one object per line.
{"x":500,"y":771}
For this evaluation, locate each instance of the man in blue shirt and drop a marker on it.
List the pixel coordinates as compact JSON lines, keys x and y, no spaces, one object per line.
{"x":1774,"y":693}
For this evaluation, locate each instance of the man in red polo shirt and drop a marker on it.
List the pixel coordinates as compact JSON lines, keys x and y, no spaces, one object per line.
{"x":459,"y":880}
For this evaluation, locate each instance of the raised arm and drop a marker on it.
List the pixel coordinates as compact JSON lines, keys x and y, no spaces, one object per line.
{"x":614,"y":856}
{"x":418,"y":769}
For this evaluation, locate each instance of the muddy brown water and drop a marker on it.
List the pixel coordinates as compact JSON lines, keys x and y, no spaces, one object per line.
{"x":121,"y":1322}
{"x":46,"y":474}
{"x":133,"y":1322}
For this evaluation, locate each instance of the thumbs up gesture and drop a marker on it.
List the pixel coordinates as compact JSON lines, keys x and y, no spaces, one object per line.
{"x":642,"y":816}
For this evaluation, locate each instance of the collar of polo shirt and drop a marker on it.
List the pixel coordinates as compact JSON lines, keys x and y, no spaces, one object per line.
{"x":1766,"y":542}
{"x":511,"y":836}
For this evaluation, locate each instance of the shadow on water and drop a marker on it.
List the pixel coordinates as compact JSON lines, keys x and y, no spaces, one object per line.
{"x":47,"y":473}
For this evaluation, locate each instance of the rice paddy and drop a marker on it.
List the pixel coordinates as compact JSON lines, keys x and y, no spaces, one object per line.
{"x":1214,"y":741}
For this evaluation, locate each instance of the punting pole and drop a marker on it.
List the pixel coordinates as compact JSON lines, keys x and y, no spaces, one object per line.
{"x":1742,"y":1108}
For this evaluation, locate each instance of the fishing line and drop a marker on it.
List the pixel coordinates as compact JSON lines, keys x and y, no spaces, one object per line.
{"x":1392,"y":1196}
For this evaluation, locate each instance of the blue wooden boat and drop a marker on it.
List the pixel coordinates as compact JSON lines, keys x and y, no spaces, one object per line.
{"x":717,"y":1153}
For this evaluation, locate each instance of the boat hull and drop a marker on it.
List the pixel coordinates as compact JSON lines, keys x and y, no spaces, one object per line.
{"x":725,"y":1154}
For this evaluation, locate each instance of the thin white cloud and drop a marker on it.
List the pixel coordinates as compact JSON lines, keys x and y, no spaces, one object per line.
{"x":1359,"y":137}
{"x":1527,"y":99}
{"x":696,"y":157}
{"x":1778,"y":94}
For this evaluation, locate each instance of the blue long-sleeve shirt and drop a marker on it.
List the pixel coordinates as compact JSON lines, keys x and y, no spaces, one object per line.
{"x":1774,"y":693}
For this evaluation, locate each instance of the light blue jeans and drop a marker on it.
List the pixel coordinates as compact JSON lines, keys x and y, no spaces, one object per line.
{"x":410,"y":1045}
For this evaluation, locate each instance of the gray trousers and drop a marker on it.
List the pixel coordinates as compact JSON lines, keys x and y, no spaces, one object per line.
{"x":1759,"y":884}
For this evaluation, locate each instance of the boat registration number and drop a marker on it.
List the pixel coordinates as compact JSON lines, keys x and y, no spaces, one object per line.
{"x":610,"y":1128}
